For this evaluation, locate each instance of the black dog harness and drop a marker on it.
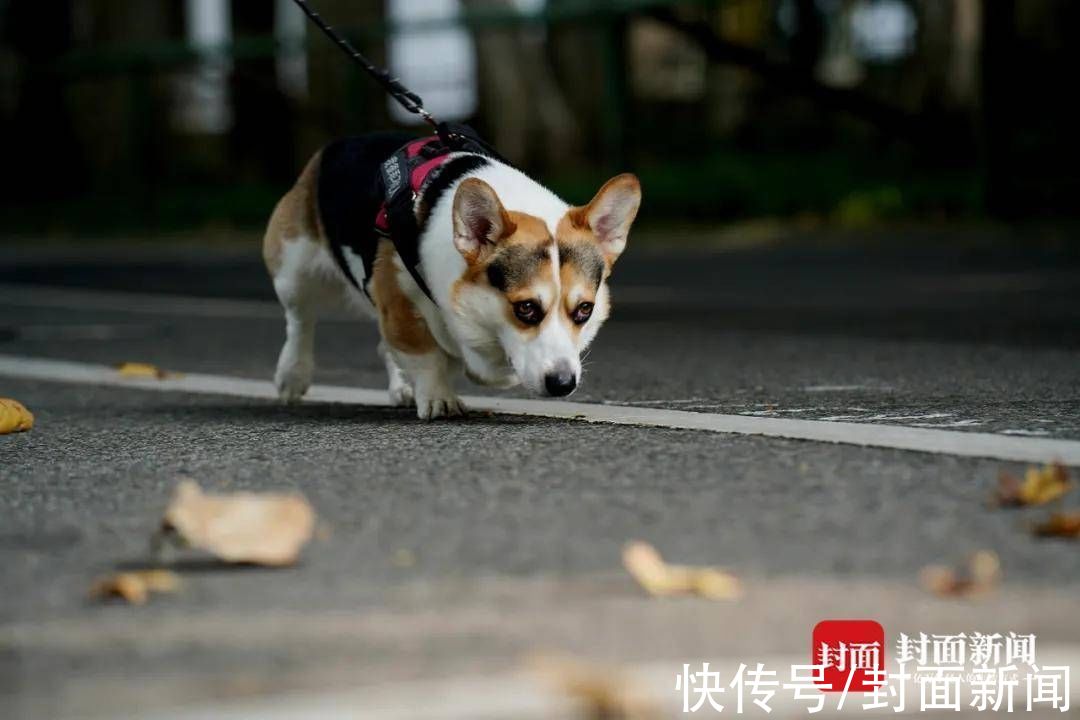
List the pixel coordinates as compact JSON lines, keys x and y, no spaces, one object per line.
{"x":350,"y":190}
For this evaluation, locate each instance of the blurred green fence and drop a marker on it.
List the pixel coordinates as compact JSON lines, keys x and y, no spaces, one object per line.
{"x":785,"y":151}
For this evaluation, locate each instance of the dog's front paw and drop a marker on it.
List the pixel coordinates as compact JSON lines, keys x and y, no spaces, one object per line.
{"x":401,"y":394}
{"x":292,"y":381}
{"x":438,"y":404}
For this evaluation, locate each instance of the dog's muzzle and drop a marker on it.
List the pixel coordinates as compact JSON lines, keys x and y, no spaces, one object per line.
{"x":561,"y":380}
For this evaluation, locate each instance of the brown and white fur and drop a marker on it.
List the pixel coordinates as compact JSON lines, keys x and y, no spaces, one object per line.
{"x":495,"y":240}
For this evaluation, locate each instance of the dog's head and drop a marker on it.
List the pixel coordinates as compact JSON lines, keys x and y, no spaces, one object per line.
{"x":539,"y":298}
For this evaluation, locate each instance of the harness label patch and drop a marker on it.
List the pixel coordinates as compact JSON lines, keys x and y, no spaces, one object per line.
{"x":392,"y":175}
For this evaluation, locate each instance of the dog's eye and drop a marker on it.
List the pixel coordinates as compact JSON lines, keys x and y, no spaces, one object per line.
{"x":528,"y":312}
{"x":582,"y":313}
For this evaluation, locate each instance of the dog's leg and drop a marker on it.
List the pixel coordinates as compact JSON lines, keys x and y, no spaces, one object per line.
{"x":409,"y":345}
{"x":432,"y":381}
{"x":296,"y":363}
{"x":303,"y":293}
{"x":401,"y":391}
{"x":305,"y":278}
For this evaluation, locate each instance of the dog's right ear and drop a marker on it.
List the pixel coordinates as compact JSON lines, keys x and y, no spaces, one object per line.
{"x":480,"y":220}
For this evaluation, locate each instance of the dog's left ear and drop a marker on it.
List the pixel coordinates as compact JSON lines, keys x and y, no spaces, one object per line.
{"x":480,"y":220}
{"x":611,"y":213}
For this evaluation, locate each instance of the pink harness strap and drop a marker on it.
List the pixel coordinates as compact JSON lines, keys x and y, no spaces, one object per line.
{"x":417,"y":177}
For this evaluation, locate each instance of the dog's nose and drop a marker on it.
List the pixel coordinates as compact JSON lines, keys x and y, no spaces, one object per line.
{"x":560,"y":382}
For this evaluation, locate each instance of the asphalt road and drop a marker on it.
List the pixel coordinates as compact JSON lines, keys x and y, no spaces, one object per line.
{"x":456,"y":549}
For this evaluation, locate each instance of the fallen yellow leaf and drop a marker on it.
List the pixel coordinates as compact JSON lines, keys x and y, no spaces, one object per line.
{"x":1040,"y":486}
{"x":602,"y":693}
{"x":658,"y":578}
{"x":982,"y":573}
{"x":143,"y":370}
{"x":264,"y":529}
{"x":14,"y":417}
{"x":404,"y":558}
{"x":1060,"y":525}
{"x":135,"y":586}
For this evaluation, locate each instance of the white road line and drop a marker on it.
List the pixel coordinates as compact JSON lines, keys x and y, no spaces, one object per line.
{"x":966,"y":444}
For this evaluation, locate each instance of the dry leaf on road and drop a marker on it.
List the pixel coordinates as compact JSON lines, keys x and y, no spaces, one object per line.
{"x":661,"y":579}
{"x":1039,"y":486}
{"x":14,"y":417}
{"x":264,"y":529}
{"x":135,"y":586}
{"x":143,"y":370}
{"x":1060,"y":525}
{"x":602,"y":692}
{"x":982,"y":573}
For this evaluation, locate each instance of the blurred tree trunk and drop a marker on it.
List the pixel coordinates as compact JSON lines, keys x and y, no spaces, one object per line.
{"x":263,"y":133}
{"x":578,"y":57}
{"x":945,"y":69}
{"x":530,"y":121}
{"x":998,"y":120}
{"x":40,"y":146}
{"x":808,"y":42}
{"x":1031,"y":147}
{"x":341,"y":98}
{"x":940,"y":78}
{"x":963,"y":78}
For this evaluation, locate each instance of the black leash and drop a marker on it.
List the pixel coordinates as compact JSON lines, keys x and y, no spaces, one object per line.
{"x":405,"y":97}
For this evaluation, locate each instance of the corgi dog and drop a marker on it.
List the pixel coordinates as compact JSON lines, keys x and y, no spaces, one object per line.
{"x":509,"y":283}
